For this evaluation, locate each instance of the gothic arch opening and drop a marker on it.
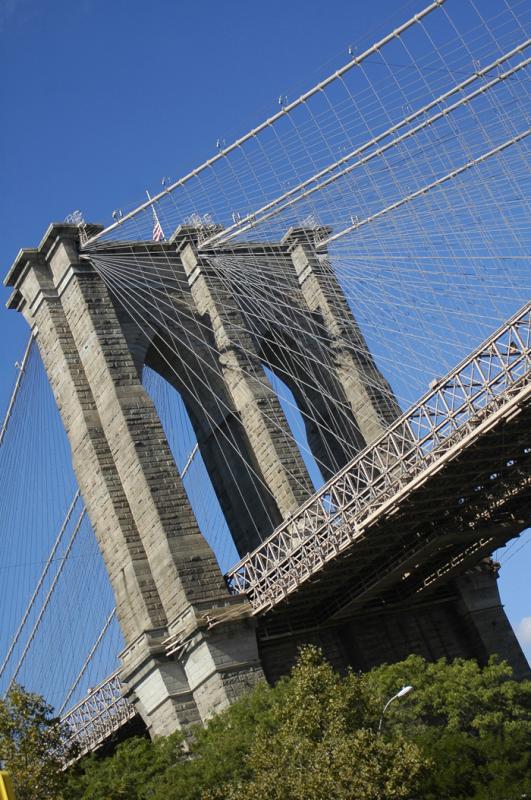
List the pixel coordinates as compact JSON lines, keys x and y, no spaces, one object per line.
{"x":196,"y":480}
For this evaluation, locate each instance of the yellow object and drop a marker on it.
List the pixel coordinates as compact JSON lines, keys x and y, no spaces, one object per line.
{"x":6,"y":786}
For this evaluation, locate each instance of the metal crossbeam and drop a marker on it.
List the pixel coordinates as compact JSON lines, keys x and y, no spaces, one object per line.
{"x":459,"y":408}
{"x":98,"y":715}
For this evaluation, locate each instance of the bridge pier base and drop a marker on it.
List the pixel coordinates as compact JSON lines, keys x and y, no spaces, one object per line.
{"x":483,"y":615}
{"x":209,"y":670}
{"x":158,"y":686}
{"x":467,"y":620}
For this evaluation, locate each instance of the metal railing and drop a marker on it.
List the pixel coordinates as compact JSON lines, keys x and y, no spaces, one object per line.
{"x":372,"y":484}
{"x":102,"y":712}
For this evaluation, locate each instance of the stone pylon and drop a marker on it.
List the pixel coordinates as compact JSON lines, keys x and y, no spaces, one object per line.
{"x":210,"y":340}
{"x":165,"y":578}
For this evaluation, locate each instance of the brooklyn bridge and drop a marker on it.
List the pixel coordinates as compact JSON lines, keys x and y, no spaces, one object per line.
{"x":294,"y":388}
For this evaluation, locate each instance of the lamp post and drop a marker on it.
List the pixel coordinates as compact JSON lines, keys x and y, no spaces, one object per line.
{"x":402,"y":693}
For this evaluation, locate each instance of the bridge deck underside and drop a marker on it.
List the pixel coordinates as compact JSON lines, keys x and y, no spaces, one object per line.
{"x":476,"y":501}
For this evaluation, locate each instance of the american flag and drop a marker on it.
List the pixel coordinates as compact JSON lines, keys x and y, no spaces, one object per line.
{"x":158,"y":233}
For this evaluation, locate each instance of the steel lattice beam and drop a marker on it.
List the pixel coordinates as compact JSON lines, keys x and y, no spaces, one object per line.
{"x":98,"y":715}
{"x":491,"y":382}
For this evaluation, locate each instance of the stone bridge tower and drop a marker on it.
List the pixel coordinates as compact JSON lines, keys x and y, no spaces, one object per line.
{"x":164,"y":575}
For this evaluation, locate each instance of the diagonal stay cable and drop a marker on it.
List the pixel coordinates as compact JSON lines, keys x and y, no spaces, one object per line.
{"x":277,"y":205}
{"x":279,"y":115}
{"x":48,"y":597}
{"x":449,"y":176}
{"x":16,"y":389}
{"x":39,"y":583}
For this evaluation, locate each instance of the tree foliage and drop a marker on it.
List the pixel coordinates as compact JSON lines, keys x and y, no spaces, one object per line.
{"x":475,"y":725}
{"x":31,"y":745}
{"x":463,"y":733}
{"x":163,"y":770}
{"x":322,"y":742}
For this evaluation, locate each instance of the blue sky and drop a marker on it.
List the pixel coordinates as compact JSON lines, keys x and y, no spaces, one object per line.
{"x":102,"y":98}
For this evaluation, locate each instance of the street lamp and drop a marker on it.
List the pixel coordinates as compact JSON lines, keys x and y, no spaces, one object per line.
{"x":402,"y":693}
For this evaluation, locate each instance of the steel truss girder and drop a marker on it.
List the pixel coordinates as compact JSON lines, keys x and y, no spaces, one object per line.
{"x":491,"y":383}
{"x":102,"y":712}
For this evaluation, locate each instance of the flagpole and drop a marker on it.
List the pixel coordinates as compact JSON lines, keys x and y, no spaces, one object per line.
{"x":155,"y":215}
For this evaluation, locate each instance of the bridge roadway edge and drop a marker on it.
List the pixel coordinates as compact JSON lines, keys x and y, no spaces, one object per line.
{"x":457,"y":613}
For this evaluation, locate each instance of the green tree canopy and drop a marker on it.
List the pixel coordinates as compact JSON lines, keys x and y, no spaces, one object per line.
{"x":474,"y":723}
{"x":313,"y":736}
{"x":322,"y":742}
{"x":31,"y":745}
{"x":463,"y":733}
{"x":141,"y":769}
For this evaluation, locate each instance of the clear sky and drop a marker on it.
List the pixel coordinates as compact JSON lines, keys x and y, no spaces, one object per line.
{"x":102,"y":98}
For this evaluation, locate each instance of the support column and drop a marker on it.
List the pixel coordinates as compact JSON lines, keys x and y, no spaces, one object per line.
{"x":480,"y":608}
{"x":332,"y":433}
{"x":277,"y":458}
{"x":190,"y":365}
{"x":368,"y":392}
{"x":177,"y":341}
{"x":138,"y":603}
{"x":178,"y":572}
